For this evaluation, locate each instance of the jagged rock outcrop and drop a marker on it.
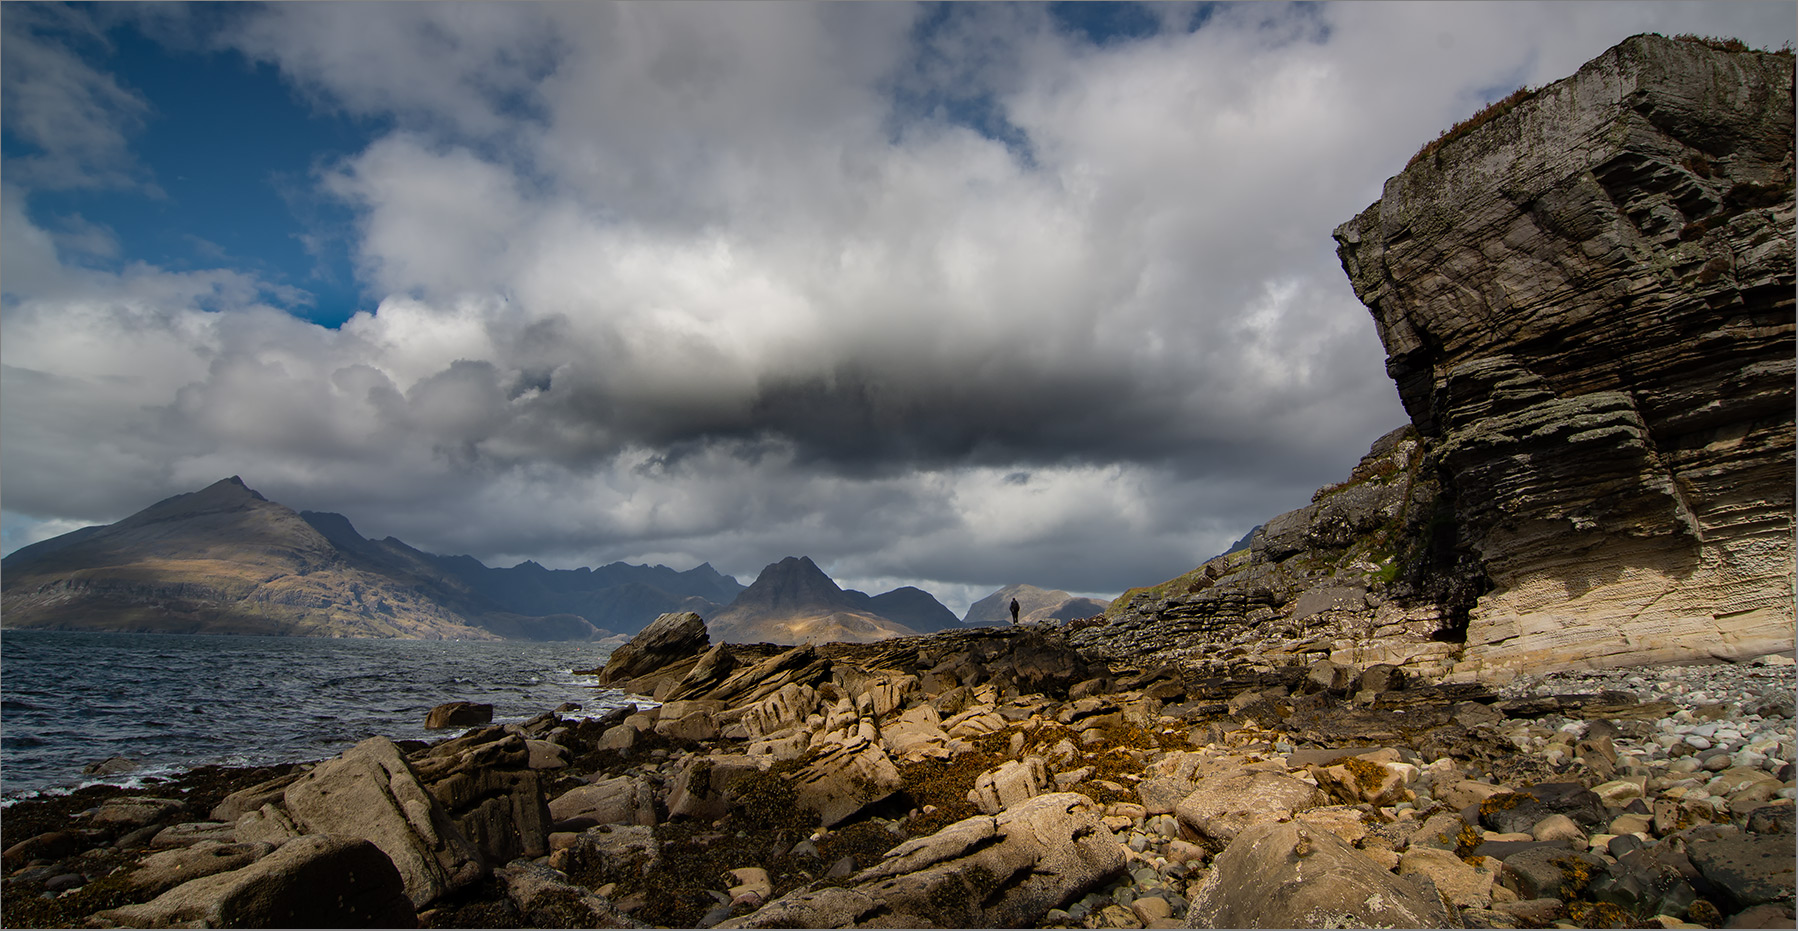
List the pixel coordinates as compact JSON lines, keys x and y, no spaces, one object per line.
{"x":1587,"y":304}
{"x":1370,"y":574}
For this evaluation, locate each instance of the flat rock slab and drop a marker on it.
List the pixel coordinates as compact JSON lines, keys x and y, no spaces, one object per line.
{"x":1749,"y":869}
{"x":1224,"y":805}
{"x":1290,"y":875}
{"x":1003,"y":871}
{"x":135,"y":811}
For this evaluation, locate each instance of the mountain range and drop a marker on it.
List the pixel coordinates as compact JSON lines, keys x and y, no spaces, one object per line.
{"x":226,"y":560}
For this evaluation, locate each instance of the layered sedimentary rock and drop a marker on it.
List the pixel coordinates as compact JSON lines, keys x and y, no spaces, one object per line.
{"x":1370,"y":574}
{"x":1588,"y":306}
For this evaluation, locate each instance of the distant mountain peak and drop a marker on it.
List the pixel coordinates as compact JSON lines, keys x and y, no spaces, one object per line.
{"x":1034,"y":603}
{"x":233,"y":485}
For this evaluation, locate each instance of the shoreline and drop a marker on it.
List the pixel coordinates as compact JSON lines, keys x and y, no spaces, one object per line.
{"x":812,"y":772}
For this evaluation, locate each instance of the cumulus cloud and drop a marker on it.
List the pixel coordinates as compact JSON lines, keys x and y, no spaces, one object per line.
{"x":949,"y":296}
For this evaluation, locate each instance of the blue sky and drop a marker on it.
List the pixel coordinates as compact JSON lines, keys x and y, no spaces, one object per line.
{"x":228,"y":154}
{"x":954,"y":296}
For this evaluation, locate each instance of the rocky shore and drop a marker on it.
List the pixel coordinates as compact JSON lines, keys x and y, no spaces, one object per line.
{"x":984,"y":778}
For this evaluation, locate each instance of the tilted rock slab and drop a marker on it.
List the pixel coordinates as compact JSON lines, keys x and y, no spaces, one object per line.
{"x":1587,"y":305}
{"x":1290,"y":875}
{"x":370,"y":792}
{"x":672,"y":636}
{"x":1001,"y":871}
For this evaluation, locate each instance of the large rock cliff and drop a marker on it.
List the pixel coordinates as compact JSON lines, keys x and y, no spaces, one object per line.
{"x":1587,"y":303}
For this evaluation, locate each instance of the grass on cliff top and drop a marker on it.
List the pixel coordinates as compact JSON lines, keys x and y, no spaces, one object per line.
{"x":1504,"y":105}
{"x":1717,"y":44}
{"x":1487,"y":114}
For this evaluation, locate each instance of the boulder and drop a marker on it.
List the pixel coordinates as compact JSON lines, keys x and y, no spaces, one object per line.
{"x":1223,"y":805}
{"x":1003,"y":871}
{"x":370,"y":792}
{"x":845,"y":780}
{"x":1172,"y":778}
{"x":703,"y":787}
{"x":672,"y":637}
{"x":1550,"y":871}
{"x":1354,"y":780}
{"x":915,"y":735}
{"x":1009,"y":783}
{"x":183,"y":834}
{"x":546,"y":755}
{"x":485,"y":782}
{"x":458,"y":715}
{"x":1520,"y":811}
{"x":316,"y":881}
{"x":747,"y":684}
{"x":1290,"y":875}
{"x":546,"y":900}
{"x":49,"y":845}
{"x":112,"y":766}
{"x":269,"y":825}
{"x":622,"y":800}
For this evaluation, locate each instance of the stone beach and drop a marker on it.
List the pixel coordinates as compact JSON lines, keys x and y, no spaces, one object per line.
{"x":989,"y":778}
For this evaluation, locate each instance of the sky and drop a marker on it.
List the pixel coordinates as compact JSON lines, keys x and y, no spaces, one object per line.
{"x":955,"y":296}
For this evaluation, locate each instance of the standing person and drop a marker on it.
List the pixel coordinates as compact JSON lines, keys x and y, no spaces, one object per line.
{"x":1015,"y":611}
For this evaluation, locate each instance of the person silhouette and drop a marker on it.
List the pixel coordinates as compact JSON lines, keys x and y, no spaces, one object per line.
{"x":1015,"y":611}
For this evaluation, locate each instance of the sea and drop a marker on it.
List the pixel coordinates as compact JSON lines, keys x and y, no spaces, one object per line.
{"x":173,"y":702}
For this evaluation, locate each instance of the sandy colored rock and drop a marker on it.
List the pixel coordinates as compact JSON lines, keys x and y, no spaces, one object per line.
{"x":620,"y":800}
{"x":1001,"y":871}
{"x":1461,"y":883}
{"x":370,"y":792}
{"x":167,"y":869}
{"x":1009,"y":783}
{"x":1290,"y":876}
{"x":1221,"y":806}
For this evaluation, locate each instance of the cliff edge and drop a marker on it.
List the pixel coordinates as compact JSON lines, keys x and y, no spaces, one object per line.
{"x":1587,"y":301}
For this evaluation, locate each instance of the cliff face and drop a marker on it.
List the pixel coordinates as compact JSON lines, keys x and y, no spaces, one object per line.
{"x":1588,"y":307}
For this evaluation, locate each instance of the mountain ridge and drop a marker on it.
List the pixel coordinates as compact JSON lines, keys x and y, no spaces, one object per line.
{"x":226,"y":560}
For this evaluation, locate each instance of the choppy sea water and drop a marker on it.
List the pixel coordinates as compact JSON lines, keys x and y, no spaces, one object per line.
{"x":173,"y":702}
